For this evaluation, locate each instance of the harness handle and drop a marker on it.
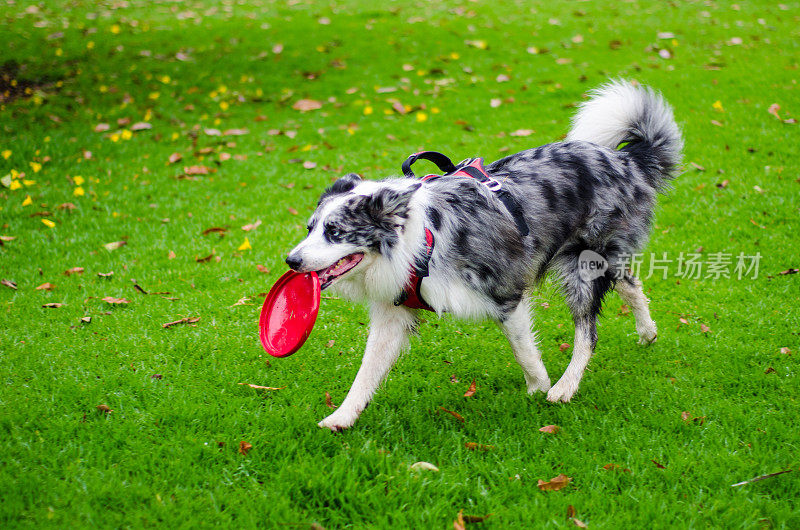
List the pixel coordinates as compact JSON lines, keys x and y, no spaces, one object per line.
{"x":442,"y":162}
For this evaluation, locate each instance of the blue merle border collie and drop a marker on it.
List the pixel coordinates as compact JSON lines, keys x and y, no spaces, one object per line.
{"x":595,"y":191}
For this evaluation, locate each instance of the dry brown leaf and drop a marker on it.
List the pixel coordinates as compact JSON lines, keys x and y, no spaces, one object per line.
{"x":659,"y":466}
{"x":101,"y":127}
{"x":579,"y":523}
{"x":704,"y":328}
{"x":476,"y":518}
{"x":330,"y":343}
{"x":52,"y":305}
{"x":522,"y":132}
{"x":86,"y":320}
{"x":459,"y":523}
{"x":786,"y":351}
{"x":186,"y":320}
{"x":196,"y":170}
{"x":175,"y":157}
{"x":259,"y":387}
{"x":551,"y":429}
{"x":305,"y":105}
{"x":624,"y":310}
{"x":554,"y":484}
{"x":471,"y":390}
{"x":423,"y":466}
{"x":46,"y":287}
{"x":206,"y":259}
{"x":215,"y":230}
{"x":104,"y":408}
{"x":141,"y":126}
{"x":66,"y":206}
{"x":73,"y":270}
{"x":7,"y":238}
{"x":789,"y":271}
{"x":106,"y":274}
{"x":328,"y":401}
{"x":244,"y":447}
{"x":309,"y":164}
{"x":616,"y":467}
{"x":171,"y":255}
{"x":262,"y":269}
{"x":570,"y":511}
{"x":235,"y":132}
{"x":472,"y":446}
{"x":773,"y":109}
{"x":114,"y":245}
{"x":8,"y":283}
{"x":112,"y":300}
{"x":252,"y":226}
{"x":564,"y":346}
{"x":456,"y":415}
{"x":292,"y":210}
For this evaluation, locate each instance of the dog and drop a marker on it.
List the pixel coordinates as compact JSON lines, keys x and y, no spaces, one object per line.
{"x":453,"y":244}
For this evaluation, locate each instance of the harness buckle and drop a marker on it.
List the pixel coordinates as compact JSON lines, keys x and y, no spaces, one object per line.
{"x":493,"y":185}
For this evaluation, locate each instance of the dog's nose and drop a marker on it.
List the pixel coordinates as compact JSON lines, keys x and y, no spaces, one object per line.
{"x":294,"y":262}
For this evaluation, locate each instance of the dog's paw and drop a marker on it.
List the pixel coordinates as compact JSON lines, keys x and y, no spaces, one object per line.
{"x":337,"y":422}
{"x":538,"y":385}
{"x":563,"y":390}
{"x":648,"y":334}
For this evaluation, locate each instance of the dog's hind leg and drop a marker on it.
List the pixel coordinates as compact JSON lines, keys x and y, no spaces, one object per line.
{"x":517,"y":329}
{"x":584,"y":298}
{"x":630,"y":290}
{"x":388,"y":335}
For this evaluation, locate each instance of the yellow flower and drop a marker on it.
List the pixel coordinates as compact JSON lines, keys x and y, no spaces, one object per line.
{"x":35,"y":166}
{"x":48,"y":223}
{"x":165,"y":79}
{"x":29,"y":182}
{"x":114,"y":137}
{"x":103,"y":89}
{"x":78,"y":192}
{"x":78,"y":180}
{"x":222,"y":89}
{"x":59,"y":52}
{"x":454,"y":56}
{"x":435,"y":110}
{"x":367,"y":110}
{"x":126,"y":134}
{"x":148,"y":115}
{"x":6,"y":153}
{"x":718,"y":106}
{"x":245,"y":245}
{"x":28,"y":201}
{"x":223,"y":105}
{"x":90,"y":45}
{"x":115,"y":29}
{"x":421,"y":116}
{"x":153,"y":95}
{"x":175,"y":136}
{"x":15,"y":185}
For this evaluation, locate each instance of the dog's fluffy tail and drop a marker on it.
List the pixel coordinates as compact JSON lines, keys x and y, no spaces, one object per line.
{"x":620,"y":112}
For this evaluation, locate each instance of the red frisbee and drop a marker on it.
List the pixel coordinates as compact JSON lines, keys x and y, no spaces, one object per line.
{"x":289,"y":313}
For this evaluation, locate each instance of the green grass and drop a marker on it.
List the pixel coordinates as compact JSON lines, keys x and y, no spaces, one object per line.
{"x":168,"y":453}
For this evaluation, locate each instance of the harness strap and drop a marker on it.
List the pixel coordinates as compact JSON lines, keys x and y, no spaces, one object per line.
{"x":411,"y":296}
{"x":442,"y":162}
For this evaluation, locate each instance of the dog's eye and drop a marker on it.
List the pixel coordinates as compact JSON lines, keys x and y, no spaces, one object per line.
{"x":335,"y":232}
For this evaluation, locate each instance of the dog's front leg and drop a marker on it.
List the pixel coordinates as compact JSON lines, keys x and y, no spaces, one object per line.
{"x":388,"y":335}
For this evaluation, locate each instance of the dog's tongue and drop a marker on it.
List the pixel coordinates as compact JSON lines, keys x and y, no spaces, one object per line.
{"x":339,"y":268}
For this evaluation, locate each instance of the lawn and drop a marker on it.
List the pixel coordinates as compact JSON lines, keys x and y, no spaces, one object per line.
{"x":151,"y":134}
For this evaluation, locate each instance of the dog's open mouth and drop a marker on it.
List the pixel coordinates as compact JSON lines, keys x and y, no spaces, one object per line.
{"x":338,"y":269}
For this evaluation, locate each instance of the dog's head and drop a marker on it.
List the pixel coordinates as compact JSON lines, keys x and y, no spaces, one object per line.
{"x":356,"y":222}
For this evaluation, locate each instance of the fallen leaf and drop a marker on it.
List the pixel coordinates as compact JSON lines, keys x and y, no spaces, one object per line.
{"x":472,"y":446}
{"x":789,"y":271}
{"x":476,"y":518}
{"x":106,"y":274}
{"x":196,"y":170}
{"x":206,"y":259}
{"x":171,"y":255}
{"x":624,"y":310}
{"x":115,"y":245}
{"x":704,"y":328}
{"x":73,"y":270}
{"x":330,"y":343}
{"x":86,"y":320}
{"x":262,"y":269}
{"x":252,"y":226}
{"x":175,"y":157}
{"x":101,"y":127}
{"x":309,"y":164}
{"x":46,"y":287}
{"x":8,"y":283}
{"x":495,"y":102}
{"x":459,"y":523}
{"x":259,"y":387}
{"x":659,"y":466}
{"x":305,"y":105}
{"x":186,"y":320}
{"x":564,"y":346}
{"x":328,"y":401}
{"x":235,"y":132}
{"x":292,"y":211}
{"x":471,"y":390}
{"x":554,"y":484}
{"x":579,"y":523}
{"x":456,"y":415}
{"x":215,"y":230}
{"x":244,"y":447}
{"x":66,"y":206}
{"x":773,"y":109}
{"x":242,"y":301}
{"x":698,"y":167}
{"x":522,"y":132}
{"x":112,"y":300}
{"x":423,"y":466}
{"x":52,"y":305}
{"x":786,"y":351}
{"x":141,"y":126}
{"x":104,"y":408}
{"x":552,"y":429}
{"x":616,"y":467}
{"x":6,"y":239}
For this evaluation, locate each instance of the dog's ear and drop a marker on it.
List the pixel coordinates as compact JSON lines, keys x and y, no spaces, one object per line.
{"x":388,"y":204}
{"x":342,"y":185}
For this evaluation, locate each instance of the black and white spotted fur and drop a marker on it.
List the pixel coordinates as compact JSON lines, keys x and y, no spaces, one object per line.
{"x":582,"y":193}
